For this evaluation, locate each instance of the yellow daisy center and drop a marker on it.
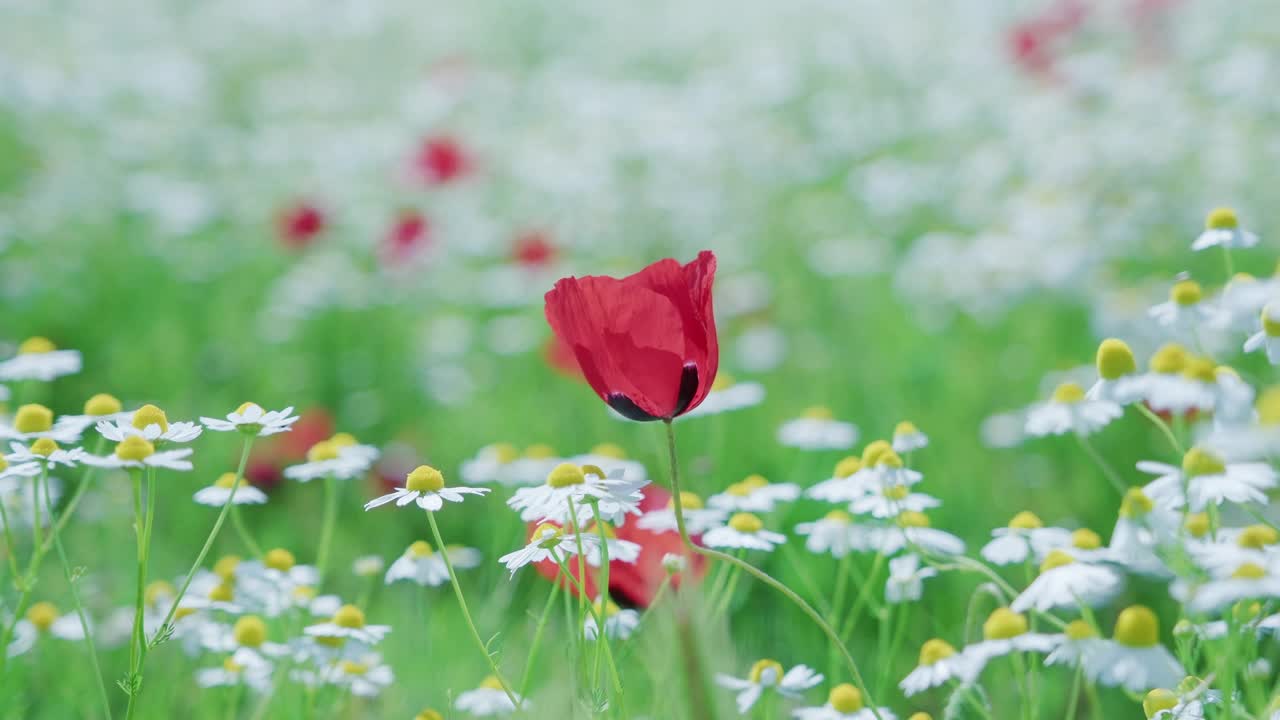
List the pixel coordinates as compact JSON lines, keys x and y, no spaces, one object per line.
{"x":135,"y":449}
{"x":1186,"y":293}
{"x":491,"y":683}
{"x":546,"y":534}
{"x":609,"y":450}
{"x":1257,"y":537}
{"x":904,"y":428}
{"x":755,"y":482}
{"x":44,"y":447}
{"x":1269,"y":406}
{"x":759,"y":668}
{"x":1115,"y":359}
{"x":1003,"y":624}
{"x":420,"y":549}
{"x":33,"y":419}
{"x":150,"y":415}
{"x":845,"y":698}
{"x":1271,"y":320}
{"x":1026,"y":520}
{"x":1137,"y":626}
{"x":1170,"y":359}
{"x":226,"y":480}
{"x":424,"y":478}
{"x":1221,"y":218}
{"x":102,"y":404}
{"x":504,"y":453}
{"x":1201,"y":369}
{"x":723,"y":381}
{"x":1199,"y":462}
{"x":42,"y":615}
{"x":343,"y":439}
{"x":848,"y":466}
{"x":896,"y":492}
{"x":1079,"y":630}
{"x":607,"y":608}
{"x":349,"y":616}
{"x":1157,"y":700}
{"x":912,"y":519}
{"x":231,"y":666}
{"x":1085,"y":539}
{"x":539,"y":451}
{"x":244,"y":407}
{"x":935,"y":650}
{"x":688,"y":501}
{"x":1068,"y":393}
{"x":323,"y":450}
{"x":222,"y":592}
{"x":1249,"y":571}
{"x":250,"y":631}
{"x":1135,"y":504}
{"x":565,"y":475}
{"x":889,"y":458}
{"x":1056,"y":559}
{"x":157,"y":590}
{"x":350,"y":667}
{"x":746,"y":523}
{"x":428,"y":715}
{"x":838,"y":516}
{"x":872,"y":452}
{"x":226,"y":566}
{"x":818,"y":412}
{"x":1197,"y":524}
{"x":738,"y":490}
{"x":279,"y":559}
{"x":36,"y":346}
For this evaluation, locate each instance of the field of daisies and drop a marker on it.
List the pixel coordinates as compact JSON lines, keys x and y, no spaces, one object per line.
{"x":671,"y":361}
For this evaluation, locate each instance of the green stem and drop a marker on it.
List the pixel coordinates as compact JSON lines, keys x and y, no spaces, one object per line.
{"x":537,"y":638}
{"x":1112,"y":476}
{"x":79,"y":606}
{"x":136,"y":635}
{"x":602,"y":638}
{"x":11,"y":547}
{"x":246,"y":537}
{"x":760,"y":575}
{"x":1161,"y":425}
{"x":208,"y":543}
{"x":613,"y":669}
{"x":864,"y":596}
{"x":326,"y":528}
{"x":721,"y":606}
{"x":466,"y":614}
{"x":1073,"y":701}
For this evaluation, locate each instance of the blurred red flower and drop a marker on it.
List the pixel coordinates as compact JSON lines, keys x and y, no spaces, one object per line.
{"x":300,"y":224}
{"x":410,"y":234}
{"x":533,"y":249}
{"x":645,"y":343}
{"x":440,"y":160}
{"x":635,"y":583}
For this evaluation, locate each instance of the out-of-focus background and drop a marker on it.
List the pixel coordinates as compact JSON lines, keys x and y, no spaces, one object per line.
{"x":921,"y":210}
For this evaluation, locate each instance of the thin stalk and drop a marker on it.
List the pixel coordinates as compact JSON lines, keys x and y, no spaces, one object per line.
{"x":242,"y":530}
{"x":466,"y":614}
{"x":864,"y":596}
{"x":326,"y":528}
{"x":602,"y":638}
{"x":136,"y":635}
{"x":1112,"y":476}
{"x":1073,"y":701}
{"x":213,"y":535}
{"x":760,"y":575}
{"x":11,"y":547}
{"x":613,"y":669}
{"x":1162,"y":426}
{"x":79,"y":606}
{"x":537,"y":638}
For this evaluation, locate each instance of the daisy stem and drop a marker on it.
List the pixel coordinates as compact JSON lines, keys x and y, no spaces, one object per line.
{"x":10,"y":547}
{"x":602,"y":638}
{"x":466,"y":614}
{"x":760,"y":575}
{"x":136,"y":639}
{"x":26,"y":583}
{"x":1162,"y":426}
{"x":72,"y":579}
{"x":1112,"y":476}
{"x":37,"y":525}
{"x":1227,"y":262}
{"x":326,"y":529}
{"x":886,"y":663}
{"x":246,"y":537}
{"x":1073,"y":700}
{"x":864,"y":596}
{"x":208,"y":543}
{"x":726,"y":596}
{"x":598,"y":617}
{"x":537,"y":638}
{"x":74,"y":502}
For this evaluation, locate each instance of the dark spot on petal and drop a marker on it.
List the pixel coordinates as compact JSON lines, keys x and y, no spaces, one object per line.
{"x":688,"y":388}
{"x":628,"y":409}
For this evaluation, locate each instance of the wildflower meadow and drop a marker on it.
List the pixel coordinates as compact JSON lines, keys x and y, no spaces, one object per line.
{"x":664,"y":361}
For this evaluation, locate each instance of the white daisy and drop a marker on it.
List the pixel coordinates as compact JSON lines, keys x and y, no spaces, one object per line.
{"x":348,"y":624}
{"x":911,"y":530}
{"x":549,"y":541}
{"x":727,"y":395}
{"x":906,"y":579}
{"x":99,"y":408}
{"x":424,"y":566}
{"x":488,"y":699}
{"x":1025,"y":533}
{"x":846,"y":483}
{"x":1222,"y":229}
{"x":767,"y":676}
{"x":1242,"y":299}
{"x":366,"y":676}
{"x":276,"y":583}
{"x":490,"y":464}
{"x":39,"y":359}
{"x":151,"y":424}
{"x":34,"y":422}
{"x":1232,"y":547}
{"x":891,"y":500}
{"x":335,"y":458}
{"x":939,"y":664}
{"x":135,"y":452}
{"x":835,"y":533}
{"x":744,"y":531}
{"x":1205,"y":479}
{"x":248,"y":633}
{"x":697,"y":519}
{"x":619,"y":550}
{"x":244,"y":667}
{"x":366,"y":566}
{"x":1069,"y":410}
{"x":613,"y":460}
{"x":1141,"y":528}
{"x":425,"y":486}
{"x":1004,"y":632}
{"x":1135,"y":659}
{"x":251,"y":419}
{"x":531,"y":467}
{"x":570,"y":484}
{"x":1118,"y":379}
{"x":843,"y":703}
{"x":1248,"y":581}
{"x":754,"y":494}
{"x":1076,"y":647}
{"x":44,"y":452}
{"x":43,"y":618}
{"x":908,"y":438}
{"x":618,"y":623}
{"x":1184,"y":312}
{"x":219,"y":492}
{"x":1178,"y":383}
{"x":817,"y":429}
{"x":1063,"y":582}
{"x":1268,"y":338}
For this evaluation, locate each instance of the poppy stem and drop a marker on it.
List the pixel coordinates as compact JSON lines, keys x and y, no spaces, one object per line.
{"x":761,"y":575}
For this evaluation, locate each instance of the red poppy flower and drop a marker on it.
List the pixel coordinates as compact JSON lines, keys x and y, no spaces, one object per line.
{"x":407,"y":236}
{"x":299,"y":225}
{"x":635,"y":583}
{"x":645,"y":343}
{"x":533,"y":249}
{"x":441,"y":160}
